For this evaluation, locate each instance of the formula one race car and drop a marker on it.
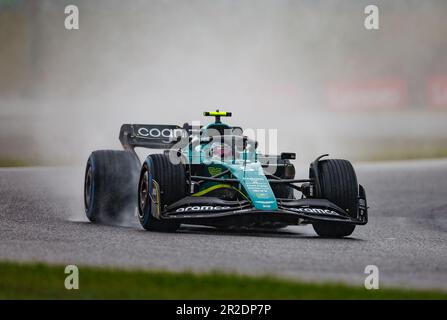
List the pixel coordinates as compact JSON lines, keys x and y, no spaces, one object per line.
{"x":213,"y":175}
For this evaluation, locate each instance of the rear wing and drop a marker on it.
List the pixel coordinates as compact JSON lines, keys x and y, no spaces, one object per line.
{"x":159,"y":136}
{"x":152,"y":136}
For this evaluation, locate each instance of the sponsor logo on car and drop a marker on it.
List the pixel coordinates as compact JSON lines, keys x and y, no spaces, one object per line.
{"x":214,"y":170}
{"x":158,"y":132}
{"x":315,"y":210}
{"x":202,"y":208}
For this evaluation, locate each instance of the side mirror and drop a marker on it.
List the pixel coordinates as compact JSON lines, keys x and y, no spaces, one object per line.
{"x":237,"y":131}
{"x":288,"y":156}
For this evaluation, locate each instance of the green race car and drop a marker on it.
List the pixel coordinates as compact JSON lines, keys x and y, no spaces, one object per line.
{"x":214,"y":176}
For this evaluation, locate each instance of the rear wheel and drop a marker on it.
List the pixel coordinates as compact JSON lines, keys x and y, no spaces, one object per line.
{"x":161,"y":184}
{"x":110,"y":185}
{"x":338,"y":184}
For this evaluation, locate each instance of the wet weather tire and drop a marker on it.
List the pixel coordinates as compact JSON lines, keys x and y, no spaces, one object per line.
{"x":338,"y":184}
{"x":158,"y":172}
{"x":110,"y":185}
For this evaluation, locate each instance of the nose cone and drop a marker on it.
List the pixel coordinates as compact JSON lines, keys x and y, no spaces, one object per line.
{"x":256,"y":185}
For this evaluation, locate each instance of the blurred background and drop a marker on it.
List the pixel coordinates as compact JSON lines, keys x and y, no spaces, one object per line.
{"x":307,"y":68}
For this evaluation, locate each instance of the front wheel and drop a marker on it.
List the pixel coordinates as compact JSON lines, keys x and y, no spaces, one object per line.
{"x":161,"y":184}
{"x":338,"y":184}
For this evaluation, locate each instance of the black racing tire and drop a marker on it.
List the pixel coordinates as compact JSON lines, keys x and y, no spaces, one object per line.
{"x":338,"y":184}
{"x":110,"y":186}
{"x":171,"y":181}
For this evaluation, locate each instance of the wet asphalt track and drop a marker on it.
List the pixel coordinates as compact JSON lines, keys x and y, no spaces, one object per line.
{"x":41,"y":218}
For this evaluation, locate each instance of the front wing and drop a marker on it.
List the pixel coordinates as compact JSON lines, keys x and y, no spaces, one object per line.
{"x":215,"y":211}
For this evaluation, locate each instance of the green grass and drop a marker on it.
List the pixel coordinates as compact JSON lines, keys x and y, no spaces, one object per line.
{"x":7,"y":163}
{"x":39,"y":281}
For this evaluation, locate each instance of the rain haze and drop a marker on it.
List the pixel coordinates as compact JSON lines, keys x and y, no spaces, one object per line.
{"x":307,"y":68}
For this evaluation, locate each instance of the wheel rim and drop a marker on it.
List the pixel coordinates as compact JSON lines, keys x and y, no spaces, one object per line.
{"x":143,"y":193}
{"x":88,"y":186}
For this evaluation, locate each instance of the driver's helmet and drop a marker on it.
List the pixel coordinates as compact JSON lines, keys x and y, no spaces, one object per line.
{"x":220,"y":150}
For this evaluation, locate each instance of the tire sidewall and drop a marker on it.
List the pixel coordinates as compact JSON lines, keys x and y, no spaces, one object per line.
{"x":89,"y":207}
{"x":145,"y":214}
{"x":158,"y":168}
